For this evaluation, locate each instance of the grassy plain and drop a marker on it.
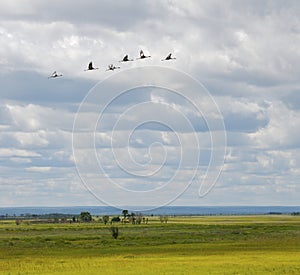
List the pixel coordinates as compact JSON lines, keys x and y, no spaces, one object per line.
{"x":185,"y":245}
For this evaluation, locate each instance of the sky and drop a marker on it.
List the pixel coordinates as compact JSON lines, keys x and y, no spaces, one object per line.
{"x":147,"y":133}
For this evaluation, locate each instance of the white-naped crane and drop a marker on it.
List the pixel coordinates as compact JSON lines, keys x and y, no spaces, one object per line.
{"x":90,"y":67}
{"x":112,"y":67}
{"x":142,"y":55}
{"x":169,"y":57}
{"x":54,"y":75}
{"x":126,"y":59}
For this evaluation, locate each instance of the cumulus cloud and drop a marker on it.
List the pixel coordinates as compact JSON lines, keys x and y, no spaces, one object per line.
{"x":38,"y":169}
{"x":243,"y":53}
{"x":281,"y":131}
{"x":32,"y":117}
{"x":12,"y":152}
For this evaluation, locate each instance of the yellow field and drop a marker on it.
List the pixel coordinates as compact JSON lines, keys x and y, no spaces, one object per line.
{"x":186,"y":245}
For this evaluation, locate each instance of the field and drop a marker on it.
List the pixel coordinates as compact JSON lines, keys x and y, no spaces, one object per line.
{"x":183,"y":245}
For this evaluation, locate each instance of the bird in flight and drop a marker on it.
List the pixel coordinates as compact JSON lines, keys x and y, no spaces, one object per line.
{"x":54,"y":75}
{"x":142,"y":55}
{"x":112,"y":67}
{"x":169,"y":57}
{"x":90,"y":67}
{"x":125,"y":59}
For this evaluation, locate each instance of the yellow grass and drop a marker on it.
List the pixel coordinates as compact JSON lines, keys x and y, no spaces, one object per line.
{"x":188,"y":245}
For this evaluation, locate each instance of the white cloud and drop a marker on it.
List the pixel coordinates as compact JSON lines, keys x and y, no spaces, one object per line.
{"x":13,"y":152}
{"x":38,"y":169}
{"x":33,"y":117}
{"x":242,"y":52}
{"x":282,"y":129}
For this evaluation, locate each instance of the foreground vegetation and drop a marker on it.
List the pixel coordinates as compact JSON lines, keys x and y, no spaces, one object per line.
{"x":183,"y":245}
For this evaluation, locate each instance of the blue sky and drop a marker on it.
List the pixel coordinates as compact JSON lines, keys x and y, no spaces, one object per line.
{"x":245,"y":53}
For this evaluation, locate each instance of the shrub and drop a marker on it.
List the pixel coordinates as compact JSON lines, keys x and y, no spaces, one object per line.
{"x":163,"y":219}
{"x":105,"y":219}
{"x":114,"y":232}
{"x":115,"y":219}
{"x":85,"y":217}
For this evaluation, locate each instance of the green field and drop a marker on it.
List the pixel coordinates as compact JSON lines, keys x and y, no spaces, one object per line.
{"x":185,"y":245}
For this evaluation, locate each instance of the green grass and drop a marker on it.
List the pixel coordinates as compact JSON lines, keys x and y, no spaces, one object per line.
{"x":185,"y":245}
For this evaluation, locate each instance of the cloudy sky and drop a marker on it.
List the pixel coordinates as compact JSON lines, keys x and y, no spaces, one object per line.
{"x":245,"y":53}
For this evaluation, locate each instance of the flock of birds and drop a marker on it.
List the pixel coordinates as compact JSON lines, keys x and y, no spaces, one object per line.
{"x":112,"y":67}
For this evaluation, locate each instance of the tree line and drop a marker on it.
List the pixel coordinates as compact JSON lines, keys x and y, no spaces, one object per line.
{"x":86,"y":217}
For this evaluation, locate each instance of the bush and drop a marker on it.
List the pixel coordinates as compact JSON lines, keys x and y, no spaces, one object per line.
{"x":85,"y":217}
{"x":114,"y":232}
{"x":115,"y":219}
{"x":163,"y":219}
{"x":105,"y":219}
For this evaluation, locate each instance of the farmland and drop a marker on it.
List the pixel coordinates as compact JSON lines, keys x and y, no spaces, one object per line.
{"x":266,"y":244}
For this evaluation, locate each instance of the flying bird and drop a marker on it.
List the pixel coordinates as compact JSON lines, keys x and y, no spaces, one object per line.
{"x":112,"y":67}
{"x":142,"y":55}
{"x":54,"y":75}
{"x":125,"y":59}
{"x":90,"y":67}
{"x":169,"y":57}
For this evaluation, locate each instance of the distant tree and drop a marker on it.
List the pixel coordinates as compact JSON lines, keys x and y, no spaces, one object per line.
{"x":85,"y":217}
{"x":163,"y":219}
{"x":114,"y":232}
{"x":105,"y":219}
{"x":139,"y":218}
{"x":295,"y":214}
{"x":125,"y":213}
{"x":115,"y":219}
{"x":132,"y":218}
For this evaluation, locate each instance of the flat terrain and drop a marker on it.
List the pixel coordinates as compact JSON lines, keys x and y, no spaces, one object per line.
{"x":185,"y":245}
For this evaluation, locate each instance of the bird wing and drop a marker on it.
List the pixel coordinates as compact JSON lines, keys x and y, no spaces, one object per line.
{"x":141,"y":53}
{"x":125,"y":57}
{"x":91,"y":66}
{"x":169,"y":56}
